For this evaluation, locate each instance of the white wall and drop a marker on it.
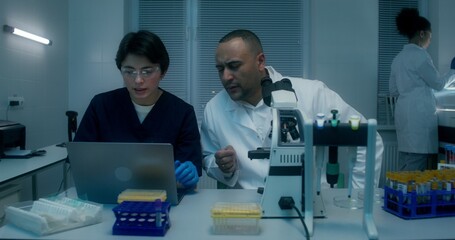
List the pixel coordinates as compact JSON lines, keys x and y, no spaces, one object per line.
{"x":442,"y":18}
{"x":39,"y":74}
{"x":35,"y":71}
{"x":344,"y":44}
{"x":95,"y":30}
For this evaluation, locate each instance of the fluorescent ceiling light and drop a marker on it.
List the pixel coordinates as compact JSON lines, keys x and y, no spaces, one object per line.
{"x":25,"y":34}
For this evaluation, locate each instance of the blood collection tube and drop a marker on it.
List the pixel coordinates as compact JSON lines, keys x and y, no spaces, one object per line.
{"x":452,"y":154}
{"x":448,"y":153}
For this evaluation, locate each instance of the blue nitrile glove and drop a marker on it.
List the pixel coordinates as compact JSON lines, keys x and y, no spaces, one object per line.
{"x":186,"y":173}
{"x":452,"y":65}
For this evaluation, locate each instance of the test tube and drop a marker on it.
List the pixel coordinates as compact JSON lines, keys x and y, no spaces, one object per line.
{"x":158,"y":213}
{"x":452,"y":154}
{"x":448,"y":189}
{"x":448,"y":153}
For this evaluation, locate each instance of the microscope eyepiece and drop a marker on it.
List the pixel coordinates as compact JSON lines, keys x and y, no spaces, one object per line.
{"x":267,"y":88}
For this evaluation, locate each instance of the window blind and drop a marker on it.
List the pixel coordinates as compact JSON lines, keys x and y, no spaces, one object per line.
{"x":191,"y":31}
{"x":167,"y":19}
{"x":390,"y":44}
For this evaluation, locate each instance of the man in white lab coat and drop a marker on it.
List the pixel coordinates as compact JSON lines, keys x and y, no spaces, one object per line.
{"x":236,"y":120}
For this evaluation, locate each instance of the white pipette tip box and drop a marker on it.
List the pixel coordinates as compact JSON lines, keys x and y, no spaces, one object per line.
{"x":236,"y":218}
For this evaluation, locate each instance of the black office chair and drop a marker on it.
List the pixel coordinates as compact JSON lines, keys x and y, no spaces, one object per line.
{"x":72,"y":124}
{"x":72,"y":127}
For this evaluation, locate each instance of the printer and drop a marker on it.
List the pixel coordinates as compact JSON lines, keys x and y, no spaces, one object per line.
{"x":12,"y":135}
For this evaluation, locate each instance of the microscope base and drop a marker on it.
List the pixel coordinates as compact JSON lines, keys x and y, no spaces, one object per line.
{"x":272,"y":210}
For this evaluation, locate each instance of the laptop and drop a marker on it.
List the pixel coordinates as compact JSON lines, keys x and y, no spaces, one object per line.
{"x":102,"y":170}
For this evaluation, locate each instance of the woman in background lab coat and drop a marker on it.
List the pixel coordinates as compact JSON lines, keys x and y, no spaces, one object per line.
{"x":413,"y":78}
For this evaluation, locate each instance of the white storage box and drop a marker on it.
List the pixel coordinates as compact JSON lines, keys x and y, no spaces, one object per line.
{"x":51,"y":215}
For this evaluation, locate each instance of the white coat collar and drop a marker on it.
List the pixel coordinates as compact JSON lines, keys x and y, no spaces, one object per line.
{"x":412,"y":45}
{"x":238,"y":112}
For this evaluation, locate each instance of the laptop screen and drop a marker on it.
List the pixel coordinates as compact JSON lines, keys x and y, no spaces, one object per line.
{"x":102,"y":170}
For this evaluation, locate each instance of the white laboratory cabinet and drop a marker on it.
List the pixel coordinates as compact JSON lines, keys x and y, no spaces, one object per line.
{"x":446,"y":117}
{"x":8,"y":194}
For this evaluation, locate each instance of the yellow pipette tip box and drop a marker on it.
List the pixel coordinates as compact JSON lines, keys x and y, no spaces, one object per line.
{"x":236,"y":218}
{"x":142,"y":195}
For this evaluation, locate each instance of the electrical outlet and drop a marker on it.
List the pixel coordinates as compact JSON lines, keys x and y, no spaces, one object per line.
{"x":15,"y":101}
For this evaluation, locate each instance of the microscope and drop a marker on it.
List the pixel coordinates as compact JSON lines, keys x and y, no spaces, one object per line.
{"x":289,"y":183}
{"x":290,"y":187}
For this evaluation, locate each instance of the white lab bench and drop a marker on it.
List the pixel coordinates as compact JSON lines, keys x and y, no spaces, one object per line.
{"x":191,"y":219}
{"x":12,"y":169}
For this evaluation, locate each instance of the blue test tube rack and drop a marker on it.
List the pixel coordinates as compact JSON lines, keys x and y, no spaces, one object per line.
{"x":142,"y":218}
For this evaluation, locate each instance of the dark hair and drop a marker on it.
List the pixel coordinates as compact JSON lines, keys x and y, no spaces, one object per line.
{"x":248,"y":36}
{"x":143,"y":43}
{"x":409,"y":22}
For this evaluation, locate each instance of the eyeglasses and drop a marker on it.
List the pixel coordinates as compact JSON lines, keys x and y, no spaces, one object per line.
{"x":146,"y":73}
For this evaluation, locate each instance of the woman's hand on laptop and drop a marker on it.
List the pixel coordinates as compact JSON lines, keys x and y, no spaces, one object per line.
{"x":186,"y":173}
